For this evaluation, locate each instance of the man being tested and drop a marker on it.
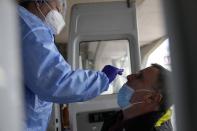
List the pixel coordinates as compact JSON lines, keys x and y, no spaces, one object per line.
{"x":144,"y":103}
{"x":47,"y":76}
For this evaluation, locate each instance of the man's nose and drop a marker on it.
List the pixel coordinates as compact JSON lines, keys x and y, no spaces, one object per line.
{"x":130,"y":77}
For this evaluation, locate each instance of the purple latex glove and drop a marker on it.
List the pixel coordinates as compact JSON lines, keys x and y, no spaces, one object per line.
{"x":112,"y":72}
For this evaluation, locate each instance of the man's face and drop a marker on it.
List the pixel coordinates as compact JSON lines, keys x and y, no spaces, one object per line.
{"x":144,"y":79}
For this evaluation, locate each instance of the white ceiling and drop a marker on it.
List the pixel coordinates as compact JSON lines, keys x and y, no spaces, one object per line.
{"x":149,"y":15}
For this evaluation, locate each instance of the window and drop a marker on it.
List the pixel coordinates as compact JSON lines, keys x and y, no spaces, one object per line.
{"x":95,"y":55}
{"x":161,"y":55}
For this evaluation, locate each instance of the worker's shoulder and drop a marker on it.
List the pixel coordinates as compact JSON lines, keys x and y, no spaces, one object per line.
{"x":30,"y":21}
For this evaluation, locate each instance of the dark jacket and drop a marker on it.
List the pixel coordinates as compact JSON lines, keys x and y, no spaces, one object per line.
{"x":141,"y":123}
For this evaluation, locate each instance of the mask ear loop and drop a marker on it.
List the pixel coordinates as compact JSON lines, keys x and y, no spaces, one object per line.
{"x":140,"y":102}
{"x":160,"y":97}
{"x":143,"y":90}
{"x":133,"y":104}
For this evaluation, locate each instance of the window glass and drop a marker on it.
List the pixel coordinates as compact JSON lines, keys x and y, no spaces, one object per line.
{"x":161,"y":55}
{"x":95,"y":55}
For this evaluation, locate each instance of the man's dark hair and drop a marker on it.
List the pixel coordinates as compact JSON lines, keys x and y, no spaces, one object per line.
{"x":25,"y":4}
{"x":164,"y":87}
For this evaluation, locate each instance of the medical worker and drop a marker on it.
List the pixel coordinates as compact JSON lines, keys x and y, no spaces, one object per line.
{"x":48,"y":77}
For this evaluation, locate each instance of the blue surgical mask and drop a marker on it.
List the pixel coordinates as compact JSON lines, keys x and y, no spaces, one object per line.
{"x":124,"y":96}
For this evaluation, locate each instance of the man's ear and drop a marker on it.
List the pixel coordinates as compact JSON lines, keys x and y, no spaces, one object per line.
{"x":157,"y":97}
{"x":152,"y":98}
{"x":148,"y":98}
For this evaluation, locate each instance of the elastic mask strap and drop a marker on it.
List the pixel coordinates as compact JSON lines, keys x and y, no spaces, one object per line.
{"x":136,"y":103}
{"x":133,"y":104}
{"x":143,"y":90}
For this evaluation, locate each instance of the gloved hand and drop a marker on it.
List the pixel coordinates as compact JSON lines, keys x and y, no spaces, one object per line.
{"x":112,"y":72}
